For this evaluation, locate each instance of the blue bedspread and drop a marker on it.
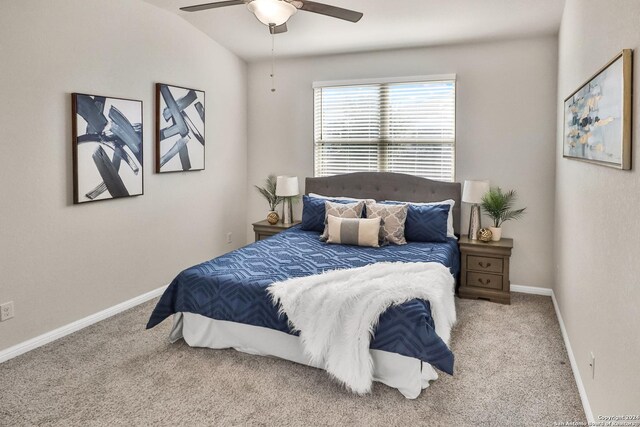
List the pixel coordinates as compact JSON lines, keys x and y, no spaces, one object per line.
{"x":233,"y":287}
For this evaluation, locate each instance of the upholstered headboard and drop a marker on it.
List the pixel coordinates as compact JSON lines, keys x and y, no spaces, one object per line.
{"x":388,"y":186}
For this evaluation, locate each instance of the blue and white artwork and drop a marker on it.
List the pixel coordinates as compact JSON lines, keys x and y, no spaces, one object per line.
{"x":107,"y":147}
{"x":180,"y":140}
{"x":594,"y":122}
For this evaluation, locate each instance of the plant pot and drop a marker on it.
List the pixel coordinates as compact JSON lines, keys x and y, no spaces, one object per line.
{"x":496,"y":233}
{"x":273,"y":217}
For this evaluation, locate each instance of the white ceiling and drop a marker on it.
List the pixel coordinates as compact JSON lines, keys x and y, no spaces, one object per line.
{"x":387,"y":24}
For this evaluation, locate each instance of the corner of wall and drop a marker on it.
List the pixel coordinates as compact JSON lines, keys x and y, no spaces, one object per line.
{"x":596,"y":268}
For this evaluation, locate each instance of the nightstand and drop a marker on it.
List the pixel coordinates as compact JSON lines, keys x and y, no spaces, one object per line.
{"x":485,"y":270}
{"x":263,"y":229}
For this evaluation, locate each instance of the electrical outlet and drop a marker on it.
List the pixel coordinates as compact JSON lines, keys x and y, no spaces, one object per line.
{"x":592,"y":364}
{"x":6,"y":311}
{"x":229,"y":237}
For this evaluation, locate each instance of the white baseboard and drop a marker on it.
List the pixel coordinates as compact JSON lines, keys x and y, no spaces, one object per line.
{"x":48,"y":337}
{"x":531,"y":290}
{"x":574,"y":364}
{"x":572,"y":359}
{"x":58,"y":333}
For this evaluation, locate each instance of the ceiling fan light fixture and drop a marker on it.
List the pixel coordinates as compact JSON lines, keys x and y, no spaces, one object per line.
{"x":272,"y":12}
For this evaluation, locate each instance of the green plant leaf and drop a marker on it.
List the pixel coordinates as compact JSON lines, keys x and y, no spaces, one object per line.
{"x":499,"y":206}
{"x":269,"y":192}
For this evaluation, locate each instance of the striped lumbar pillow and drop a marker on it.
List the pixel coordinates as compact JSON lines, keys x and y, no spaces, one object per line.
{"x":341,"y":210}
{"x":353,"y":231}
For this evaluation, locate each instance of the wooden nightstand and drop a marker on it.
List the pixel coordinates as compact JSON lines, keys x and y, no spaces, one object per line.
{"x":485,"y":270}
{"x":263,"y":229}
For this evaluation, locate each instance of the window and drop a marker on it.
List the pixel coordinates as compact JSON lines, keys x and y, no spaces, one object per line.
{"x":402,"y":126}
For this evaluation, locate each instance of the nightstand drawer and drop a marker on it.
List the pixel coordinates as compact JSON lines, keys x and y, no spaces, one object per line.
{"x":261,"y":235}
{"x":488,"y":264}
{"x":485,"y":269}
{"x":264,"y":229}
{"x":484,"y":280}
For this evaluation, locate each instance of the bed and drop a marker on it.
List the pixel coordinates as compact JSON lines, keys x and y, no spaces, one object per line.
{"x":223,"y":303}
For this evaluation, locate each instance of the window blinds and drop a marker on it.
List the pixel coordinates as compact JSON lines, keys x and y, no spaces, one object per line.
{"x":406,"y":127}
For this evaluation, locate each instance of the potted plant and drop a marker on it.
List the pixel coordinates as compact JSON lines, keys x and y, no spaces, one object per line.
{"x":269,"y":193}
{"x":499,"y":206}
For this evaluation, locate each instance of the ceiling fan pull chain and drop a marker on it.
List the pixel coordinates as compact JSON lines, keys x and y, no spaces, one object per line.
{"x":273,"y":61}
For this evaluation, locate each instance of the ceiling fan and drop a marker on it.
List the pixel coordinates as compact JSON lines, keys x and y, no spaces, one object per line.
{"x":275,"y":13}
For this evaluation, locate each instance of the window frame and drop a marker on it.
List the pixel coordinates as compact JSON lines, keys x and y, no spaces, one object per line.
{"x":392,"y":80}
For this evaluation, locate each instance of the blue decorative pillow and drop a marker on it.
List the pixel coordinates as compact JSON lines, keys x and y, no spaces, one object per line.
{"x":450,"y":202}
{"x":426,"y":223}
{"x":313,"y":212}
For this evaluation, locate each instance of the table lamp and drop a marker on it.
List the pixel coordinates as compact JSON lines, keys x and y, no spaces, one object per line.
{"x":287,"y":187}
{"x":472,"y":193}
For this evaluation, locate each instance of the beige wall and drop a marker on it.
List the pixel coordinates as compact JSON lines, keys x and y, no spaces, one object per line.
{"x":60,"y":262}
{"x":505,"y":126}
{"x":597,"y":229}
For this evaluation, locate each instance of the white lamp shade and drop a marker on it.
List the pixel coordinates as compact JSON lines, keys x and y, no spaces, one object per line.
{"x":474,"y":190}
{"x":272,"y":12}
{"x":287,"y":186}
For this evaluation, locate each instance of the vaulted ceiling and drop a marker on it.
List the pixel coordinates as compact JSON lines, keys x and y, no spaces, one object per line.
{"x":387,"y":24}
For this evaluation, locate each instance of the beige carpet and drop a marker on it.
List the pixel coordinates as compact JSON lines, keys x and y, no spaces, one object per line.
{"x":511,"y":369}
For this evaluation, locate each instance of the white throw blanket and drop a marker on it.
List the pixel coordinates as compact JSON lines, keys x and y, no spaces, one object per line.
{"x":336,"y":312}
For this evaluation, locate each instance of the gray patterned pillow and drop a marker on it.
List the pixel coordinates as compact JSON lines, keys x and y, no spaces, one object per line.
{"x":340,"y":210}
{"x":393,"y":218}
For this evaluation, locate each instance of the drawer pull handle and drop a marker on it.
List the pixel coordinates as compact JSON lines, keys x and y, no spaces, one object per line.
{"x":482,"y":264}
{"x":484,"y":283}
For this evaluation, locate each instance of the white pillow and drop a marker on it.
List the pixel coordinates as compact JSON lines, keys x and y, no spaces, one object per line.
{"x":450,"y":202}
{"x":319,"y":196}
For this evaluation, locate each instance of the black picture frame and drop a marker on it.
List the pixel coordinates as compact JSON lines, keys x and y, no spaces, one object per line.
{"x":180,"y":129}
{"x":108,"y":148}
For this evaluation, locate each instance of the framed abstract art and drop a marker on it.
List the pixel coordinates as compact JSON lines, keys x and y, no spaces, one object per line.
{"x":107,"y":147}
{"x":597,"y":116}
{"x":180,"y":129}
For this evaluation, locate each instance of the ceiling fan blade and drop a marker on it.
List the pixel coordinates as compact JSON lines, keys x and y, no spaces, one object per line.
{"x":206,"y":6}
{"x":333,"y":11}
{"x":279,"y":29}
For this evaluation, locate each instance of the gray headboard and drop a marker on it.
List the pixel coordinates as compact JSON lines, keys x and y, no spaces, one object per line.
{"x":388,"y":186}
